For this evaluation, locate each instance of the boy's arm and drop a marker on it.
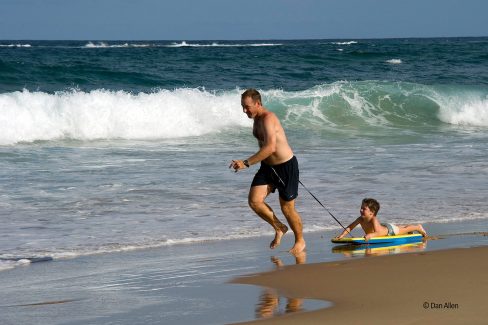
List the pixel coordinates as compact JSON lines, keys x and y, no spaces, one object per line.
{"x":349,"y":228}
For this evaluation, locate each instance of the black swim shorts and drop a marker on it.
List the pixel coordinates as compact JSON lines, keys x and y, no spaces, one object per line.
{"x":283,"y":177}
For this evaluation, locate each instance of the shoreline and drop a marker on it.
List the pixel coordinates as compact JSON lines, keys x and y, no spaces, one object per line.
{"x":190,"y":284}
{"x":326,"y":234}
{"x":445,"y":286}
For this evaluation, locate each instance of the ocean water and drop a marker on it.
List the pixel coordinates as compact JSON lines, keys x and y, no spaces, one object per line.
{"x":110,"y":146}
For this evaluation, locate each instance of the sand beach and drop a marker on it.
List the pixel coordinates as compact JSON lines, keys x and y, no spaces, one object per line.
{"x":446,"y":286}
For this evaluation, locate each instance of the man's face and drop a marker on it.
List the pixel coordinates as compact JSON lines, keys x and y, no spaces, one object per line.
{"x":250,"y":107}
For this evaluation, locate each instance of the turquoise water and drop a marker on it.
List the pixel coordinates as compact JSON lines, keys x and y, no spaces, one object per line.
{"x":111,"y":146}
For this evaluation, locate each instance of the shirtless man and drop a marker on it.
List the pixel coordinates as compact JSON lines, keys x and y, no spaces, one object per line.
{"x":279,"y":170}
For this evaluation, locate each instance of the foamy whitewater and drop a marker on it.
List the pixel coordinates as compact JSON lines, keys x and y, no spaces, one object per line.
{"x":115,"y":146}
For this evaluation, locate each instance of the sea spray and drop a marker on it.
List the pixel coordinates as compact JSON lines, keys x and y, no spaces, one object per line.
{"x":381,"y":104}
{"x":473,"y":112}
{"x":101,"y":114}
{"x":186,"y":112}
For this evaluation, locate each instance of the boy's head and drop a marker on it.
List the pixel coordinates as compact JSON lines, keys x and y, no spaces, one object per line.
{"x":372,"y":204}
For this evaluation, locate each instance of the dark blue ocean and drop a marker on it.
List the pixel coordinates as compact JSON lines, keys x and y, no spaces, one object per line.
{"x":149,"y":66}
{"x":117,"y":145}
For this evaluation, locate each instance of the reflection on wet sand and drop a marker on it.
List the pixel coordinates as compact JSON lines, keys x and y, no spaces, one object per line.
{"x":378,"y":249}
{"x":269,"y":300}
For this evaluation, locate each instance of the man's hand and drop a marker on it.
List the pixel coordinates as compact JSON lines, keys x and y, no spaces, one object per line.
{"x":237,"y":165}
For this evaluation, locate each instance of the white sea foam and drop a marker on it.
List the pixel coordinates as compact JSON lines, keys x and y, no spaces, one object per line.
{"x":140,"y":45}
{"x":345,"y":43}
{"x":215,"y":44}
{"x":93,"y":45}
{"x":261,"y":44}
{"x":365,"y":103}
{"x":473,"y":216}
{"x":10,"y":264}
{"x":59,"y":254}
{"x":124,"y":45}
{"x":105,"y":45}
{"x":98,"y":45}
{"x":394,"y":61}
{"x":471,"y":112}
{"x":101,"y":114}
{"x":15,"y":45}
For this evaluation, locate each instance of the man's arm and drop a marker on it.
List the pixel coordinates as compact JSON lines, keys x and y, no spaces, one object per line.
{"x":267,"y":148}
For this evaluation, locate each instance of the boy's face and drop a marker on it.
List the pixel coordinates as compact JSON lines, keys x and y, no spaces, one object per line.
{"x":366,"y":213}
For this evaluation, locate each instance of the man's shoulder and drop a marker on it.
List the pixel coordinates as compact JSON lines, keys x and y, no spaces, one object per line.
{"x":269,"y":116}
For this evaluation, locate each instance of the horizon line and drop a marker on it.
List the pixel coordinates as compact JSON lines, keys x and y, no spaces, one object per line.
{"x":244,"y":40}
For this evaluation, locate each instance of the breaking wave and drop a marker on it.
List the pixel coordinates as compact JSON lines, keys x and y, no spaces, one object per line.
{"x":103,"y":114}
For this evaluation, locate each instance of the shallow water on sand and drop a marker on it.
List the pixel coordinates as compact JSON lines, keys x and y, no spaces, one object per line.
{"x":182,"y":284}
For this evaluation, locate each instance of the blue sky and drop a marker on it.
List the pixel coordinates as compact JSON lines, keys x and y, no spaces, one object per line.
{"x":231,"y":19}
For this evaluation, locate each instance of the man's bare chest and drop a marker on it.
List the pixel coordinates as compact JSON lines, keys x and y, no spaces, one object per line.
{"x":258,"y":131}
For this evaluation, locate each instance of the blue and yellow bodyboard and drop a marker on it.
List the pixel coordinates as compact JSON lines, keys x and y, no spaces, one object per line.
{"x":400,"y":239}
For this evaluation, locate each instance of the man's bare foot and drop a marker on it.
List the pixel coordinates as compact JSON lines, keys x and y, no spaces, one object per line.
{"x":298,"y":247}
{"x":279,"y":233}
{"x":422,"y":231}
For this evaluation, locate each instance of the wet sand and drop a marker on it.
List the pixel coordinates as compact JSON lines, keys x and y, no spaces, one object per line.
{"x":189,"y":284}
{"x":433,"y":287}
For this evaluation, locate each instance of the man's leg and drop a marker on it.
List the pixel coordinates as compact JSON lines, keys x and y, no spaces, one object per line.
{"x":257,"y":194}
{"x":295,"y":222}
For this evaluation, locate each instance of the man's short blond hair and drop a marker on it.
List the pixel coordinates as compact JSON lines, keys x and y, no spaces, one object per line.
{"x":254,"y":94}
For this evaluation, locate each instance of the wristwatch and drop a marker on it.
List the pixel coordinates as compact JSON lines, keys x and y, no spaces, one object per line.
{"x":246,"y":163}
